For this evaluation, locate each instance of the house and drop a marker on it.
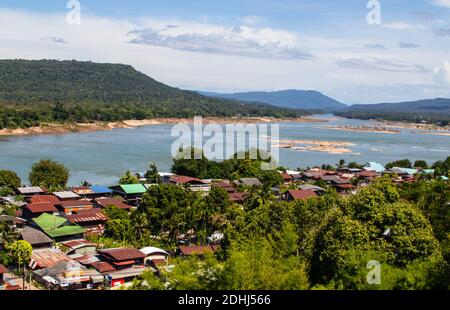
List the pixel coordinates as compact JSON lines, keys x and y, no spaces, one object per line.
{"x":106,"y":202}
{"x":67,"y":275}
{"x":124,"y":276}
{"x":36,"y":238}
{"x":43,"y":258}
{"x":122,"y":257}
{"x":154,"y":256}
{"x":80,"y":246}
{"x":367,"y":176}
{"x":3,"y":270}
{"x":92,"y":220}
{"x":100,"y":191}
{"x":225,"y":185}
{"x":308,"y":187}
{"x":249,"y":182}
{"x":44,"y":199}
{"x":74,"y":206}
{"x":28,"y":191}
{"x":287,"y":178}
{"x":373,"y":166}
{"x":165,"y":176}
{"x":238,"y":197}
{"x":33,"y":210}
{"x":188,"y":250}
{"x":14,"y":221}
{"x":341,"y":185}
{"x":293,"y":195}
{"x":130,"y":192}
{"x":83,"y":191}
{"x":58,"y":228}
{"x":193,"y":183}
{"x":66,"y":195}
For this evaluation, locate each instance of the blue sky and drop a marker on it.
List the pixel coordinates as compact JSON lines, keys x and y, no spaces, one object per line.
{"x":249,"y":44}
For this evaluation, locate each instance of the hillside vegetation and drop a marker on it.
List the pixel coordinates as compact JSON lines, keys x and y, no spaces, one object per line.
{"x":33,"y":92}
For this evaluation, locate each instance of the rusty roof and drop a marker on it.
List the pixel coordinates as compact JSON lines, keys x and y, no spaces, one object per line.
{"x":41,"y":207}
{"x":75,"y":203}
{"x":43,"y":258}
{"x":121,"y":254}
{"x":301,"y":194}
{"x":44,"y":199}
{"x":103,"y":267}
{"x":3,"y":269}
{"x":105,"y":202}
{"x":93,"y":215}
{"x":181,"y":179}
{"x":196,"y":249}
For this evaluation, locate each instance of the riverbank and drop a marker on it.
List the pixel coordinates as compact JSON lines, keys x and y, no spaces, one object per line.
{"x":362,"y":129}
{"x":103,"y":126}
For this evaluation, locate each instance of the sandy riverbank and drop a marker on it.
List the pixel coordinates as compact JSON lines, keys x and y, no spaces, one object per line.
{"x":102,"y":126}
{"x":330,"y":147}
{"x":362,"y":129}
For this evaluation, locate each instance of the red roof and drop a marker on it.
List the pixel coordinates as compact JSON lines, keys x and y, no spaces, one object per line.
{"x":181,"y":179}
{"x":103,"y":267}
{"x":122,"y":254}
{"x":224,"y":185}
{"x":286,"y":176}
{"x":196,"y":249}
{"x":77,"y":243}
{"x":41,"y":207}
{"x":92,"y":215}
{"x":44,"y":198}
{"x":302,"y":194}
{"x":75,"y":203}
{"x":3,"y":269}
{"x":238,"y":197}
{"x":105,"y":202}
{"x":367,"y":173}
{"x":344,"y":186}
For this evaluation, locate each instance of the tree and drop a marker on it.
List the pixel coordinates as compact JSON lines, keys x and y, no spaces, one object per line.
{"x":140,"y":224}
{"x":9,"y":181}
{"x":20,"y":252}
{"x":152,"y":174}
{"x":403,"y":163}
{"x":420,"y":164}
{"x":49,"y":174}
{"x":129,"y":178}
{"x":341,"y":163}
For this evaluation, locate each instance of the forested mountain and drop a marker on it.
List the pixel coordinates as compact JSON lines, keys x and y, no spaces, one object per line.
{"x":430,"y":110}
{"x":37,"y":91}
{"x":297,"y":99}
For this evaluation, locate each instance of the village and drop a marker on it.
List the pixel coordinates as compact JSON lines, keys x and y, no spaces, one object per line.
{"x":59,"y":225}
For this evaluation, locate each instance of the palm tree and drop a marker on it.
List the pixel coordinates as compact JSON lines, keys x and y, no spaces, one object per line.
{"x":139,"y":221}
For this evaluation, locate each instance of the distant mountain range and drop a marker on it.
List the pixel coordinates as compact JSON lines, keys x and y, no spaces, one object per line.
{"x":295,"y":99}
{"x":438,"y":105}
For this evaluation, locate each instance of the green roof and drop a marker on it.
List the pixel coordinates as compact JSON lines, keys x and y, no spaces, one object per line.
{"x":133,"y":188}
{"x":57,"y":226}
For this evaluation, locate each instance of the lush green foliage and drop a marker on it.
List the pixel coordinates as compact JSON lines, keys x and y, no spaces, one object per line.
{"x":9,"y":181}
{"x":49,"y":174}
{"x":48,"y":91}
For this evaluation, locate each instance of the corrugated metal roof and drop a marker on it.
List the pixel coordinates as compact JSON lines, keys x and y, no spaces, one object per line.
{"x":66,"y":195}
{"x":105,"y":202}
{"x":302,"y":194}
{"x":44,"y":199}
{"x":43,"y":258}
{"x":30,"y":190}
{"x":131,"y":189}
{"x":41,"y":207}
{"x":122,"y":254}
{"x":34,"y":236}
{"x":101,"y":189}
{"x":53,"y":226}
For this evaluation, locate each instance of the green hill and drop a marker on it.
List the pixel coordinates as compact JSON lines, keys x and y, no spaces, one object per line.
{"x":33,"y":92}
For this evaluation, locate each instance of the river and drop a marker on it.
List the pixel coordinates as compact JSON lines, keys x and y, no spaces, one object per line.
{"x":101,"y":157}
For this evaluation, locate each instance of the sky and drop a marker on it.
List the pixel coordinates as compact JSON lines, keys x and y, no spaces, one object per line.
{"x":342,"y":48}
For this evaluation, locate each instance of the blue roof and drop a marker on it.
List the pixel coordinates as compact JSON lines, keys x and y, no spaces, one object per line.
{"x":373,"y":166}
{"x":101,"y":189}
{"x":407,"y":170}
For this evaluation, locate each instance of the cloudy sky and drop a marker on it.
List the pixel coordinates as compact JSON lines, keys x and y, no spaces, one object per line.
{"x":241,"y":45}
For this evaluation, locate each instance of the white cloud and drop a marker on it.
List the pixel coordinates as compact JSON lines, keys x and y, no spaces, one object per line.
{"x":240,"y":41}
{"x":443,"y":3}
{"x":403,"y":26}
{"x":378,"y":64}
{"x":442,"y":74}
{"x":251,"y":20}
